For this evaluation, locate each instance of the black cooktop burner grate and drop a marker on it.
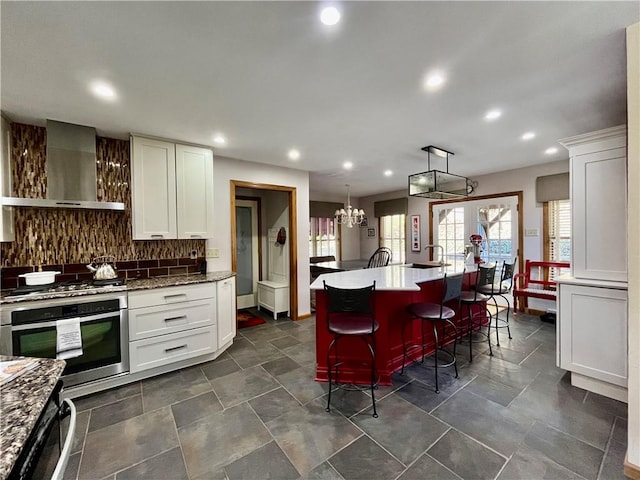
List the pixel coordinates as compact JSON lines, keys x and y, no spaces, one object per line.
{"x":69,"y":286}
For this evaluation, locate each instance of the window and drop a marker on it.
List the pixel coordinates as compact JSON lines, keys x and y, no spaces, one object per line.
{"x":557,"y":226}
{"x":324,"y":237}
{"x":451,"y":233}
{"x":494,"y":224}
{"x":392,"y":235}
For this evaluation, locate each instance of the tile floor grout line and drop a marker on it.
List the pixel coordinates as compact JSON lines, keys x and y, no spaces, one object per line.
{"x":84,"y":442}
{"x":557,"y":429}
{"x":443,"y":465}
{"x":430,"y":412}
{"x":525,"y":358}
{"x":606,"y":448}
{"x":478,"y":441}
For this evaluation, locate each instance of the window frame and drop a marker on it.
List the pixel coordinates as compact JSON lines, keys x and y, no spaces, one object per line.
{"x":313,"y":231}
{"x":402,"y":238}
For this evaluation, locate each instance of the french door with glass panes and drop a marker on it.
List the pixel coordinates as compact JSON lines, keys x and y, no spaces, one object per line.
{"x":495,"y":219}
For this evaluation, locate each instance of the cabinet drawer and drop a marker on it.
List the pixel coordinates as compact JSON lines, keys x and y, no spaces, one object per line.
{"x":166,"y":296}
{"x":153,"y":321}
{"x":157,"y":351}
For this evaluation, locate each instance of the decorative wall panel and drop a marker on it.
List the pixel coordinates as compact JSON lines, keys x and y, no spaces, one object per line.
{"x":48,"y":236}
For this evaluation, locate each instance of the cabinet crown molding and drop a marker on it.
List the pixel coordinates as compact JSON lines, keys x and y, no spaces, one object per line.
{"x":597,"y":136}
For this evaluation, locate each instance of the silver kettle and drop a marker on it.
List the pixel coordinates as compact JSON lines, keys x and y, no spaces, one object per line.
{"x":102,"y":268}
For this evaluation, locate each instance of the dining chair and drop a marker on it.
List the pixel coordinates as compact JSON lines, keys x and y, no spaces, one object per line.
{"x":380,"y":258}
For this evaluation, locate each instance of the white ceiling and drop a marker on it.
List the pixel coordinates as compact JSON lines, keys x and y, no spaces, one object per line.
{"x":271,"y":77}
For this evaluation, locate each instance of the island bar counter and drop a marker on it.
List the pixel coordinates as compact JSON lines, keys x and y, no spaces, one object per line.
{"x":396,"y":287}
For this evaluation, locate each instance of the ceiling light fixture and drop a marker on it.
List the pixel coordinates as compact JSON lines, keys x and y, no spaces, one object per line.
{"x":434,"y":81}
{"x":551,"y":150}
{"x":388,"y":173}
{"x":528,"y":136}
{"x":347,"y":165}
{"x":493,"y":114}
{"x":436,"y":183}
{"x":103,"y":90}
{"x":351,"y":216}
{"x":330,"y":16}
{"x":219,"y":139}
{"x":293,"y":154}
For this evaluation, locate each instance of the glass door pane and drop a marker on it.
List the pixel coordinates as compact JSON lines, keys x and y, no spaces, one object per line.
{"x":244,"y":256}
{"x":495,"y":225}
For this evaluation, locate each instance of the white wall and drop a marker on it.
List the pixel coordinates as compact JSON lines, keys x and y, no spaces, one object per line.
{"x":227,"y":169}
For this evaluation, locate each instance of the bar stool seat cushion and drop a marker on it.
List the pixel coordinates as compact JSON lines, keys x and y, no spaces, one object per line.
{"x":430,"y":311}
{"x":473,"y":297}
{"x":495,"y":289}
{"x":352,"y":324}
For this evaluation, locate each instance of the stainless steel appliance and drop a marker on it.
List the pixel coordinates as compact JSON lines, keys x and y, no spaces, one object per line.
{"x":28,"y":328}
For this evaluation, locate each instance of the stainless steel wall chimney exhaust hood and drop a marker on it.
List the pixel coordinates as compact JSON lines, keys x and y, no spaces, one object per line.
{"x":70,"y":169}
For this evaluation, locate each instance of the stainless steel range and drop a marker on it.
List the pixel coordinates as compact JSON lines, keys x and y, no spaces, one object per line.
{"x":29,"y":328}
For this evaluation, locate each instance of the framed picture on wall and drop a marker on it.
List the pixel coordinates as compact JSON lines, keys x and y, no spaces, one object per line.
{"x":365,"y":222}
{"x":415,"y":233}
{"x":371,"y":232}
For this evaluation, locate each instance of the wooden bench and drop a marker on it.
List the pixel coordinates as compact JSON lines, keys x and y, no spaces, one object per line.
{"x":536,"y":282}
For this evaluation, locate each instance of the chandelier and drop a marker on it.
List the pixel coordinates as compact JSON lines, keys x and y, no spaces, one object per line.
{"x":439,"y":184}
{"x":350,"y":216}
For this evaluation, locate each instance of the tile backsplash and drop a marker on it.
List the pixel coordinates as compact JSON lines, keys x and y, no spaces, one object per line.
{"x":47,"y":236}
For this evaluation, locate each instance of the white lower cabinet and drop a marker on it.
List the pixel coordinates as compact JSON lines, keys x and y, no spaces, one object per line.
{"x":592,"y":332}
{"x":226,"y":293}
{"x":171,"y":324}
{"x":273,"y":296}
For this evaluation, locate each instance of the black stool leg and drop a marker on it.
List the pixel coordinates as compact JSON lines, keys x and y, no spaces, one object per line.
{"x":404,"y":347}
{"x":328,"y":409}
{"x":508,"y":308}
{"x":495,"y":302}
{"x":489,"y":330}
{"x":372,"y":348}
{"x":470,"y":332}
{"x":422,"y":332}
{"x":455,"y":340}
{"x":435,"y":355}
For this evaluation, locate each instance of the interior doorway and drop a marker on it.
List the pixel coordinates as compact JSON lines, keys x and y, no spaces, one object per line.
{"x":238,"y":196}
{"x":248,"y":248}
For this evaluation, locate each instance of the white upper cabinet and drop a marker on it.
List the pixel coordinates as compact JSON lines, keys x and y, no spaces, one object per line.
{"x":172,"y":191}
{"x":194,"y":186}
{"x":599,"y":204}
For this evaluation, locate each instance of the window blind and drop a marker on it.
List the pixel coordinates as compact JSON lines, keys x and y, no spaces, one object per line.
{"x":323,"y":209}
{"x":552,"y":187}
{"x":396,"y":206}
{"x":559,"y":232}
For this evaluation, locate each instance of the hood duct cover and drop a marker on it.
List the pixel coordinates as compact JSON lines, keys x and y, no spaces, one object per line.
{"x":71,"y":170}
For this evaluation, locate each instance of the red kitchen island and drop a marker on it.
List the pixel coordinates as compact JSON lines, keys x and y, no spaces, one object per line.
{"x":396,"y":287}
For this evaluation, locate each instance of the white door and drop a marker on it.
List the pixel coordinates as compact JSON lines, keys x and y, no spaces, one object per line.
{"x":247,"y":261}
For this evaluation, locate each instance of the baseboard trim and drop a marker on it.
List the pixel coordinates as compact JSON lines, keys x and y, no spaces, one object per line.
{"x":631,"y":471}
{"x":306,"y":315}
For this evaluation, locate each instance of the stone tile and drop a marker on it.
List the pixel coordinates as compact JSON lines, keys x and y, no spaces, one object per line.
{"x":565,"y":450}
{"x":493,"y":390}
{"x":528,"y":463}
{"x":426,"y":468}
{"x":350,"y":402}
{"x":324,"y":471}
{"x":169,"y":465}
{"x":173,"y":387}
{"x":242,"y":386}
{"x":219,"y":368}
{"x":302,"y":385}
{"x":401,"y":428}
{"x":265,"y":462}
{"x":516,"y":376}
{"x":284,"y":342}
{"x":365,"y":459}
{"x":71,"y":472}
{"x":280,"y":366}
{"x":466,"y":457}
{"x":252,"y":355}
{"x":304,"y":334}
{"x":559,"y":404}
{"x":108,"y":396}
{"x":303,"y":353}
{"x":195,"y":408}
{"x":612,"y":465}
{"x":598,"y":402}
{"x":287,"y":325}
{"x":273,"y":404}
{"x":486,"y":421}
{"x":263,"y":333}
{"x":544,"y":361}
{"x":82,"y":422}
{"x":115,"y":412}
{"x":619,"y":431}
{"x":424,"y":396}
{"x":217,"y":440}
{"x":119,"y":446}
{"x":317,"y":435}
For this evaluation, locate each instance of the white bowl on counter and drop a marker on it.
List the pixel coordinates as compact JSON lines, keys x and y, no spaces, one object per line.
{"x":39,"y":278}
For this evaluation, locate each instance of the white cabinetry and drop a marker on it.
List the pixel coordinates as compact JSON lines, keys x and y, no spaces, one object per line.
{"x":273,"y":296}
{"x":226,"y":293}
{"x":172,"y":193}
{"x":592,"y":302}
{"x":7,"y":233}
{"x":171,"y":324}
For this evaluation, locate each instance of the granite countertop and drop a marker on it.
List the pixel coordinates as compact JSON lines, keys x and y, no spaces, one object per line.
{"x":21,"y":402}
{"x":131,"y":285}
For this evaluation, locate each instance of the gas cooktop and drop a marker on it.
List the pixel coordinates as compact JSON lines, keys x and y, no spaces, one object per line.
{"x":61,"y":287}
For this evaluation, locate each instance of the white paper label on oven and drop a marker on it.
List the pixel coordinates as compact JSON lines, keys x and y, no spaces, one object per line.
{"x":68,"y":338}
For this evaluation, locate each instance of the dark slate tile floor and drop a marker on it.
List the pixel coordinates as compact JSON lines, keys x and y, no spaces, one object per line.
{"x":256,"y":413}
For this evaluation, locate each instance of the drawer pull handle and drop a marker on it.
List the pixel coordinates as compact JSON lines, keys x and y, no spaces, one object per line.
{"x":181,"y":317}
{"x":177,"y":295}
{"x":167,"y":350}
{"x":196,"y":236}
{"x":157,"y":236}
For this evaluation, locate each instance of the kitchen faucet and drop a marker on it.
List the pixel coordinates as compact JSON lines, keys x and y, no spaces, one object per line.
{"x":433,"y":247}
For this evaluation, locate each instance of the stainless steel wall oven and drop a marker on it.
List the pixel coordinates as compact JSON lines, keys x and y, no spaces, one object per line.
{"x":29,"y":329}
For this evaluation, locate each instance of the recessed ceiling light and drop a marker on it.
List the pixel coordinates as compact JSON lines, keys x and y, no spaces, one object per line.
{"x":103,"y":90}
{"x":493,"y":114}
{"x":219,"y":139}
{"x":293,"y":154}
{"x":347,"y":165}
{"x":330,"y":16}
{"x":434,"y":81}
{"x":388,"y":173}
{"x":551,"y":150}
{"x":528,"y":136}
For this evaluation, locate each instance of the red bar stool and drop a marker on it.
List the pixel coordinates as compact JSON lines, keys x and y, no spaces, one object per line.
{"x":436,"y":314}
{"x":350,"y":313}
{"x":484,"y":277}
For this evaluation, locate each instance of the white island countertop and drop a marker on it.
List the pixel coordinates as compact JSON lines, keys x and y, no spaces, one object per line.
{"x":393,"y":277}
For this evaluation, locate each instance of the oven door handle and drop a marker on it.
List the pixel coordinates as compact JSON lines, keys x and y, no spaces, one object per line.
{"x":61,"y":466}
{"x":88,"y":318}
